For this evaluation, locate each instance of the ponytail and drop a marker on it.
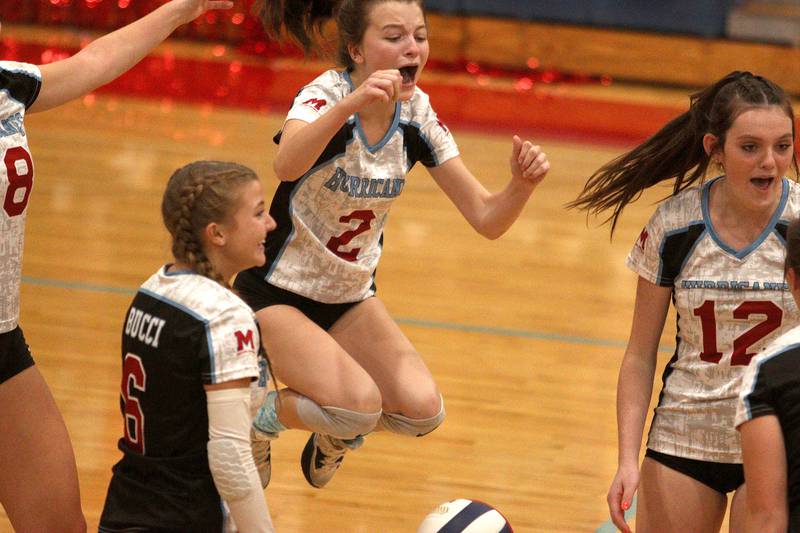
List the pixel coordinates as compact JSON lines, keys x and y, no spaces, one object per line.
{"x":300,"y":20}
{"x":676,"y":150}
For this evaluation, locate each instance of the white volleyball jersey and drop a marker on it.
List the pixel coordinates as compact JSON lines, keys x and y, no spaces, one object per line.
{"x":730,"y":304}
{"x":19,"y":87}
{"x":330,"y":220}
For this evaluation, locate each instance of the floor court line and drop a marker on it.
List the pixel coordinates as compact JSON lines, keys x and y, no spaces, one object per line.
{"x":431,"y":324}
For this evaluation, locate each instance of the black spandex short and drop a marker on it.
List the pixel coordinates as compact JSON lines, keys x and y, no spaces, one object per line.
{"x":722,"y":477}
{"x":15,"y":356}
{"x":259,"y":294}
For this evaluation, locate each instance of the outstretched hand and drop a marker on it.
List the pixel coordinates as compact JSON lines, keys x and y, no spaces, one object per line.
{"x":191,"y":9}
{"x":528,"y":162}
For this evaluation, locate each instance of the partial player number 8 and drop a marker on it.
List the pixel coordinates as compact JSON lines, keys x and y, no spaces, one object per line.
{"x":133,"y":378}
{"x":19,"y":167}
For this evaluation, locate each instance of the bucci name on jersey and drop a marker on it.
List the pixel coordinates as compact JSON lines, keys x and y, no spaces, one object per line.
{"x":144,"y":327}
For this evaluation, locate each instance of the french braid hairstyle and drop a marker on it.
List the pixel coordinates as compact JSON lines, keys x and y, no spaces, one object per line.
{"x":676,"y":150}
{"x":196,"y":195}
{"x":302,"y":21}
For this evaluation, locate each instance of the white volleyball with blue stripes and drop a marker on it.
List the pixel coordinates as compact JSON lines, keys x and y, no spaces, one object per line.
{"x":465,"y":516}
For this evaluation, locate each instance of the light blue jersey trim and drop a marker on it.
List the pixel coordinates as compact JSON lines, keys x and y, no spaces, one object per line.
{"x":193,"y":314}
{"x":744,"y":252}
{"x":372,"y":148}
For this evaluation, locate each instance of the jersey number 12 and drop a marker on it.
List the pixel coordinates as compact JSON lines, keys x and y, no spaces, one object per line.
{"x":773,"y":315}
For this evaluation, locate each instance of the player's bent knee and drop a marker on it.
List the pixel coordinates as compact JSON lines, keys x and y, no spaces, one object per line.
{"x":413,"y":427}
{"x":336,"y":421}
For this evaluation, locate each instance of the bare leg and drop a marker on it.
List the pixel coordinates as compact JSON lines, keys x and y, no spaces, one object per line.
{"x":673,"y":502}
{"x":370,"y":335}
{"x":38,"y":476}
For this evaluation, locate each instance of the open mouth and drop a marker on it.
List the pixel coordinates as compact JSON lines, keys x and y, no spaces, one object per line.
{"x":409,"y":73}
{"x":762,"y":183}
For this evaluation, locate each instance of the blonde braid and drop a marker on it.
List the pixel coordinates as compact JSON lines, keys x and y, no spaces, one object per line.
{"x":197,"y":194}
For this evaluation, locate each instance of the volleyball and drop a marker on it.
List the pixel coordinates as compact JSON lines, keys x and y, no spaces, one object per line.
{"x":465,"y":516}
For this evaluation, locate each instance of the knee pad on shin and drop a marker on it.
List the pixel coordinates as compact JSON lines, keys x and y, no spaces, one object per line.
{"x":335,"y":421}
{"x":413,"y":427}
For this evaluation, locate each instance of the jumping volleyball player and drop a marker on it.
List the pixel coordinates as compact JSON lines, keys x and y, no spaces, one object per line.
{"x":189,"y":354}
{"x":345,"y":150}
{"x":34,"y":444}
{"x":717,"y":252}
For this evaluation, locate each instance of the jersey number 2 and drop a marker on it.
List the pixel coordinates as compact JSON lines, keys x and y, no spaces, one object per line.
{"x":335,"y":243}
{"x":711,"y":353}
{"x":133,"y":378}
{"x":19,"y":167}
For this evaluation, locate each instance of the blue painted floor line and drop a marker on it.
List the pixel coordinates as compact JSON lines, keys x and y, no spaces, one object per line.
{"x":607,"y":527}
{"x":432,"y":324}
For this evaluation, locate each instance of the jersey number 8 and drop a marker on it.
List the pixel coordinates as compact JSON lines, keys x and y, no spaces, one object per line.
{"x":19,"y":168}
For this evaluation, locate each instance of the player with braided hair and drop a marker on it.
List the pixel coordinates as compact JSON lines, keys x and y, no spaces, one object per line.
{"x":190,"y":356}
{"x":34,"y":443}
{"x":716,"y":251}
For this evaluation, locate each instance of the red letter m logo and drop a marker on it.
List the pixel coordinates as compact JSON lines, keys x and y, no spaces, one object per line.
{"x":316,"y":103}
{"x":244,"y":339}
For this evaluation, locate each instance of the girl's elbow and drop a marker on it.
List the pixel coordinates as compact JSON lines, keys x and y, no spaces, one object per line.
{"x":281,"y":171}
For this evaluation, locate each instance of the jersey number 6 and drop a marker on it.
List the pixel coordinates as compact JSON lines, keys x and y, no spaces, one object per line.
{"x":19,"y":168}
{"x":133,"y":377}
{"x":334,"y":243}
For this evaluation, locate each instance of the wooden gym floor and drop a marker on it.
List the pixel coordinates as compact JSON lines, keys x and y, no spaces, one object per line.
{"x":524,"y":334}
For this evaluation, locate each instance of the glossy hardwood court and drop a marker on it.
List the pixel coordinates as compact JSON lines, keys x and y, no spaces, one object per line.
{"x":524,"y":334}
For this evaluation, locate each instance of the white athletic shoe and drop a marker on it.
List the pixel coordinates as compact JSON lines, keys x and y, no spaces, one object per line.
{"x":260,"y":445}
{"x":323,"y":456}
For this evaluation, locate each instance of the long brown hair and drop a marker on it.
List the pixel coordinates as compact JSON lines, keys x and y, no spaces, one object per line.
{"x":196,"y":195}
{"x":676,"y":150}
{"x":303,"y":20}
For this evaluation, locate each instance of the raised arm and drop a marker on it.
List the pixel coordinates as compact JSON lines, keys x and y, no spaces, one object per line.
{"x":491,"y":214}
{"x":303,"y":142}
{"x":111,"y":55}
{"x":764,"y":458}
{"x":634,"y":388}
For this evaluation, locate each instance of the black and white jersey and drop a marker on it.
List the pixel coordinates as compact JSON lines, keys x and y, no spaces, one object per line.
{"x":330,"y":220}
{"x":182,"y":331}
{"x":19,"y":87}
{"x":730,"y":304}
{"x":771,"y":386}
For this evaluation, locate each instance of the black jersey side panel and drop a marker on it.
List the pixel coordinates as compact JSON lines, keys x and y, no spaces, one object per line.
{"x":21,"y":86}
{"x":675,"y":249}
{"x":416,"y":146}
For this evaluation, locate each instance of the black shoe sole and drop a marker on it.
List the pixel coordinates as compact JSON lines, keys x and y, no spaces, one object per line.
{"x":306,"y":460}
